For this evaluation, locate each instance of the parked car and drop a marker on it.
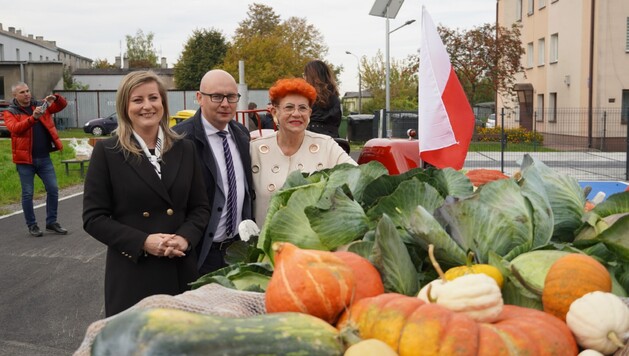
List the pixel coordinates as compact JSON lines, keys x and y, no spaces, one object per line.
{"x":3,"y":127}
{"x":102,"y":126}
{"x":491,"y":121}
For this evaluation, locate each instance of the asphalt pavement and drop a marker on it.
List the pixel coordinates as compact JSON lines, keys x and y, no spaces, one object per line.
{"x":52,"y":285}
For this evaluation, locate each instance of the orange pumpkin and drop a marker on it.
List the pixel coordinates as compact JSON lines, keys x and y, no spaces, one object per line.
{"x":481,"y":176}
{"x":367,"y":277}
{"x":309,"y":281}
{"x":415,"y":327}
{"x":571,"y":277}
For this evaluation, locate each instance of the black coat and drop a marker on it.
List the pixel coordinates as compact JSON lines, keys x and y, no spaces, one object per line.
{"x":194,"y":131}
{"x":326,"y":120}
{"x":125,"y":201}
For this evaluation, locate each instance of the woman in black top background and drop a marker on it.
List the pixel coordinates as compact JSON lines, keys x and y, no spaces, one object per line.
{"x":326,"y":111}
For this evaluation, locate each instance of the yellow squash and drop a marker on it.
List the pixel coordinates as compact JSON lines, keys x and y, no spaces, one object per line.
{"x":470,"y":268}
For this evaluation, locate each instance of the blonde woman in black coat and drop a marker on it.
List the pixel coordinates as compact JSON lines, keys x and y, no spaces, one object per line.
{"x":145,"y":199}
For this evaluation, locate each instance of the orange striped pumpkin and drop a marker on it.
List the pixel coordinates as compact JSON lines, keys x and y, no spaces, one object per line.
{"x":309,"y":281}
{"x":412,"y":327}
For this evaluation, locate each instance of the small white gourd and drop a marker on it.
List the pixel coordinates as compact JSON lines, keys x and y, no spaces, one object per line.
{"x":590,"y":352}
{"x":476,"y":295}
{"x":598,"y":321}
{"x":430,"y":292}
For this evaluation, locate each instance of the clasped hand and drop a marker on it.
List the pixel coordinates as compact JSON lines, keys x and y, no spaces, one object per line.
{"x":167,"y":245}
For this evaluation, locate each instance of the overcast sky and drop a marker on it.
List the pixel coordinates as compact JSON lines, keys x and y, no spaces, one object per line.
{"x":97,"y":29}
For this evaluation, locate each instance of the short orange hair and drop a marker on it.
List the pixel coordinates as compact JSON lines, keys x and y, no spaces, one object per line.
{"x":298,"y":86}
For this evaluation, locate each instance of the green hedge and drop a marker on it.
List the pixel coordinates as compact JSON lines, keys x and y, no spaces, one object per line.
{"x":516,"y":135}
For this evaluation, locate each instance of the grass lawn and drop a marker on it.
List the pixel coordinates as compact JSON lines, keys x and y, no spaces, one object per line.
{"x":10,"y":189}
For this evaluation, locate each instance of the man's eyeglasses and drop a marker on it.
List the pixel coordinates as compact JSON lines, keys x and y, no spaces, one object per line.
{"x":218,"y":98}
{"x":290,"y":109}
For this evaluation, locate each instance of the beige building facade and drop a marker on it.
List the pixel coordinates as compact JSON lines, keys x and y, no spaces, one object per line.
{"x":576,"y":70}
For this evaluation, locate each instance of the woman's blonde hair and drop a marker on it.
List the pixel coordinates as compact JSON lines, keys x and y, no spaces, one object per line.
{"x":125,"y":126}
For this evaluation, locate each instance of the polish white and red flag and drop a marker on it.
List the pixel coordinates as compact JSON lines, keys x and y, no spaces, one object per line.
{"x":446,"y":120}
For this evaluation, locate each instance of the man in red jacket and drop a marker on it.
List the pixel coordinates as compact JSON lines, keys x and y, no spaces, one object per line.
{"x":33,"y":137}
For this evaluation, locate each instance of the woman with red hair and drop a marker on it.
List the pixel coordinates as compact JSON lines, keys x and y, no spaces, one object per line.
{"x":291,"y":147}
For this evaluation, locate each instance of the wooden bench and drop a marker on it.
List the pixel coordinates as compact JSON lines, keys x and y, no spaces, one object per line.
{"x":80,"y":162}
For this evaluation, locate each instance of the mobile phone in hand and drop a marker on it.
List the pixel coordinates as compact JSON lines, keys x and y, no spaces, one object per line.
{"x":44,"y":106}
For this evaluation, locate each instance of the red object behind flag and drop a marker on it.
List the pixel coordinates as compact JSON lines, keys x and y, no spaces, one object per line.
{"x":446,"y":120}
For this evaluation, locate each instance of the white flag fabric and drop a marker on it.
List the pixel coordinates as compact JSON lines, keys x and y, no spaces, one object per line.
{"x":446,"y":120}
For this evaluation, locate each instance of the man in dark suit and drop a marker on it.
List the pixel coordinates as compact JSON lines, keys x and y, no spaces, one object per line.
{"x":218,"y":97}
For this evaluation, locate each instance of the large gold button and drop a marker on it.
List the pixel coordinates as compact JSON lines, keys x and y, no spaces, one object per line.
{"x":264,"y":149}
{"x":320,"y":166}
{"x":255,"y":169}
{"x":275,"y":169}
{"x":271,"y":187}
{"x":314,"y":148}
{"x":146,"y":214}
{"x":170,"y":212}
{"x":300,"y":166}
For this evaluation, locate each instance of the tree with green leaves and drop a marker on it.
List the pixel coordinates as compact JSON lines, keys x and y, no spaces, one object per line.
{"x":272,"y":48}
{"x":204,"y":50}
{"x":402,"y":83}
{"x":484,"y":63}
{"x":140,"y":50}
{"x":103,"y":64}
{"x":69,"y":83}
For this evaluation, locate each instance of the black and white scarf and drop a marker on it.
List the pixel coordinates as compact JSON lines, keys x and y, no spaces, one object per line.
{"x":156,"y":158}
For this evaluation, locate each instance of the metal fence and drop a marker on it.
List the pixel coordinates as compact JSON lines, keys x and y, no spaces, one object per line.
{"x":587,"y":144}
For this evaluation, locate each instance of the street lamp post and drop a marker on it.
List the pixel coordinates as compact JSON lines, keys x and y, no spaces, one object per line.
{"x":388,"y":70}
{"x":360,"y":88}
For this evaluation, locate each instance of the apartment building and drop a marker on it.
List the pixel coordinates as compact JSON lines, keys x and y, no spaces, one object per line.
{"x":575,"y":83}
{"x":34,"y":60}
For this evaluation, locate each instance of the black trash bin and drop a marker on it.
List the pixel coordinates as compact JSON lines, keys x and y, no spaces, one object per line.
{"x":401,"y":122}
{"x":360,"y":127}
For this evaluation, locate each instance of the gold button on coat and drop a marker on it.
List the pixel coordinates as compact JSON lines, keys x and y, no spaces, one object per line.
{"x":170,"y":212}
{"x":146,"y":214}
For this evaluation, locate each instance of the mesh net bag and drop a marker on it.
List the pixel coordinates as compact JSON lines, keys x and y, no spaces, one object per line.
{"x":210,"y":299}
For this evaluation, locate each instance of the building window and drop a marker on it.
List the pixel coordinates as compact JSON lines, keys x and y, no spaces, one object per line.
{"x":518,"y":10}
{"x":540,"y":108}
{"x":1,"y":52}
{"x":554,"y":48}
{"x":552,"y":107}
{"x":541,"y":4}
{"x":2,"y":97}
{"x":17,"y":54}
{"x":30,"y":56}
{"x":529,"y":55}
{"x":624,"y":115}
{"x":531,"y":7}
{"x":627,"y":44}
{"x":541,"y":51}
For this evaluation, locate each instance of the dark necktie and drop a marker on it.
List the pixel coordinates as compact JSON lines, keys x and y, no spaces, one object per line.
{"x":232,"y":194}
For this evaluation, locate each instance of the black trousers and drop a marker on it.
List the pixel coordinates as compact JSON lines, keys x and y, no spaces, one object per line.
{"x":215,"y":259}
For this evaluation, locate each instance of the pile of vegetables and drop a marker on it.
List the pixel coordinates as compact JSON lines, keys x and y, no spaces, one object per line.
{"x":391,"y":220}
{"x":528,"y":269}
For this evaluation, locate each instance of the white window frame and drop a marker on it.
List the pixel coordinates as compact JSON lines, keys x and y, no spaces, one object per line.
{"x":541,"y":51}
{"x":518,"y":10}
{"x":554,"y":48}
{"x":531,"y":8}
{"x":552,"y":107}
{"x":540,"y":108}
{"x":541,"y":4}
{"x":627,"y":44}
{"x":529,"y":55}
